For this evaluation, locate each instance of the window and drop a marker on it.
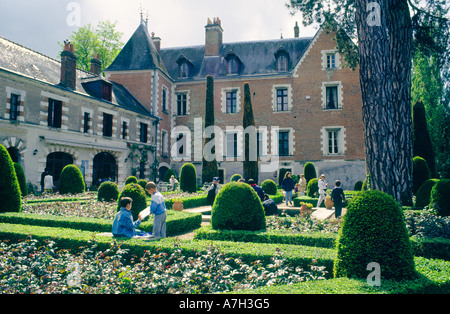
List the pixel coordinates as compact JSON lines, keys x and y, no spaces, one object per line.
{"x":282,"y":63}
{"x":184,"y":70}
{"x":14,"y":107}
{"x":282,"y":99}
{"x":331,"y":61}
{"x":54,"y":113}
{"x":107,"y":124}
{"x":124,"y":130}
{"x":232,"y":145}
{"x":164,"y":100}
{"x":181,"y":104}
{"x":283,"y":143}
{"x":164,"y":145}
{"x":333,"y":141}
{"x":86,"y":120}
{"x":233,"y":65}
{"x":231,"y":102}
{"x":144,"y":133}
{"x":332,"y":98}
{"x":106,"y":92}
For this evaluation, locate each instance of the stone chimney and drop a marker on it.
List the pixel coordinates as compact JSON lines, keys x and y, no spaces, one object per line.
{"x":68,"y":66}
{"x":96,"y":65}
{"x":157,"y":42}
{"x":214,"y":37}
{"x":296,"y":30}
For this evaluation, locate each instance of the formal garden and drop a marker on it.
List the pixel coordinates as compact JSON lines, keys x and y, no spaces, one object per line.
{"x":58,"y":243}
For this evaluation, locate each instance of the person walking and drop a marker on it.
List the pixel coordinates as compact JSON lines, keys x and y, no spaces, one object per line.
{"x":337,"y":197}
{"x":322,"y":190}
{"x":288,"y":185}
{"x":302,"y":185}
{"x":157,"y":208}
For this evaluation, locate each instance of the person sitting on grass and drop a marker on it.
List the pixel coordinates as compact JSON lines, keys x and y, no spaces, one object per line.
{"x":157,"y":208}
{"x":124,"y":226}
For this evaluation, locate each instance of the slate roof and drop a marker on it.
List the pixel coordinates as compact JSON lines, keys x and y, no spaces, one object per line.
{"x":24,"y":61}
{"x":139,"y":53}
{"x":257,"y":57}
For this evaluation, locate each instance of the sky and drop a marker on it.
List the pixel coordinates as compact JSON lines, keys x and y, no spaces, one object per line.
{"x":41,"y":24}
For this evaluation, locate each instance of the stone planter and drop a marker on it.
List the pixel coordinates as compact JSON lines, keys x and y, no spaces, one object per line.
{"x":178,"y":206}
{"x":328,"y":203}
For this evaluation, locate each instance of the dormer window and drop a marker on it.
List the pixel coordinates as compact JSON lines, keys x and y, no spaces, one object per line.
{"x":233,"y":64}
{"x":184,"y":67}
{"x":282,"y":60}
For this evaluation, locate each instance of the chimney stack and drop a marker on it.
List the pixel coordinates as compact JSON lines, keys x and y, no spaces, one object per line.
{"x":157,"y":42}
{"x":96,"y":65}
{"x":68,"y":66}
{"x":214,"y":37}
{"x":296,"y":30}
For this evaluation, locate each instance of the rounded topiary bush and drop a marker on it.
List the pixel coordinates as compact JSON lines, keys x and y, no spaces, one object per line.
{"x":188,"y":178}
{"x":374,"y":230}
{"x":21,"y":177}
{"x":440,"y":197}
{"x":142,"y":183}
{"x":424,"y":192}
{"x":236,"y":177}
{"x":108,"y":192}
{"x":71,"y":181}
{"x":269,"y":187}
{"x":9,"y":185}
{"x":312,"y":189}
{"x":131,"y":180}
{"x":309,"y":171}
{"x":421,"y":173}
{"x":238,"y":207}
{"x":137,"y":194}
{"x":358,"y":186}
{"x":169,"y":173}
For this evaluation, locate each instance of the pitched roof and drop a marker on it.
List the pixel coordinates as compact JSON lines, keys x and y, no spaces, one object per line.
{"x":139,"y":53}
{"x":256,"y":57}
{"x":24,"y":61}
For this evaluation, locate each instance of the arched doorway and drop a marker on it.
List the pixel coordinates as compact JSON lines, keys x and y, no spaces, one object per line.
{"x":56,"y":163}
{"x":162,"y":173}
{"x":14,"y":154}
{"x":105,"y":168}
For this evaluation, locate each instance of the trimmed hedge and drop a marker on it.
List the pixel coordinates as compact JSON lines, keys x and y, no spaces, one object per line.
{"x":108,"y":192}
{"x":177,"y":222}
{"x":424,"y":192}
{"x":131,"y":180}
{"x":188,"y":178}
{"x":269,"y":187}
{"x":11,"y":200}
{"x":21,"y":177}
{"x":71,"y":181}
{"x":137,"y":194}
{"x":421,"y":173}
{"x":440,"y":197}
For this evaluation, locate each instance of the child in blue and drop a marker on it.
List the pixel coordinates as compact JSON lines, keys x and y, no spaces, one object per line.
{"x":123,"y":225}
{"x":157,"y":208}
{"x":337,"y":197}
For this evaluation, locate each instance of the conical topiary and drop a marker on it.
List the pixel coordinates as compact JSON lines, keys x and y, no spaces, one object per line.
{"x":9,"y":185}
{"x":21,"y":177}
{"x":71,"y":181}
{"x":374,"y":231}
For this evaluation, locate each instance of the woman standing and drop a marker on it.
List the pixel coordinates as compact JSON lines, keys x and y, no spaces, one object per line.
{"x":302,"y":185}
{"x":288,"y":185}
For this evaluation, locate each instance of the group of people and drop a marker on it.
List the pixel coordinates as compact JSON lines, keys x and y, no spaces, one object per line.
{"x":124,"y":224}
{"x":337,"y":194}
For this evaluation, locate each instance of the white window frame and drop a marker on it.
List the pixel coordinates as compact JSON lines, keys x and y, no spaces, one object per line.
{"x":22,"y":94}
{"x":342,"y":144}
{"x":325,"y":54}
{"x":275,"y":89}
{"x":340,"y":96}
{"x":224,"y":93}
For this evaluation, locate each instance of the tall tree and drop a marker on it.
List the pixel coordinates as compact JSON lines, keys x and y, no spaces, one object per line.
{"x":210,"y":169}
{"x":384,"y":34}
{"x":104,"y":40}
{"x":251,"y":170}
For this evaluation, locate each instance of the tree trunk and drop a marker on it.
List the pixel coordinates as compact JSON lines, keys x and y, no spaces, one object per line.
{"x":210,"y":168}
{"x":385,"y":47}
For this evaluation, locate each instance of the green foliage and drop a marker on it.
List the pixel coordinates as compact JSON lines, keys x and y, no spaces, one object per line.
{"x":137,"y":194}
{"x":424,"y":192}
{"x":188,"y":178}
{"x":313,"y":187}
{"x":9,"y":184}
{"x":374,"y":230}
{"x":358,"y":186}
{"x":143,"y":183}
{"x":71,"y":181}
{"x":366,"y":184}
{"x":251,"y":170}
{"x":103,"y":39}
{"x":238,"y":207}
{"x":210,"y":168}
{"x":131,"y":180}
{"x":236,"y":177}
{"x":21,"y":177}
{"x":108,"y":192}
{"x":422,"y":145}
{"x":309,"y":171}
{"x":440,"y":197}
{"x":269,"y":187}
{"x":421,"y":172}
{"x":169,"y":173}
